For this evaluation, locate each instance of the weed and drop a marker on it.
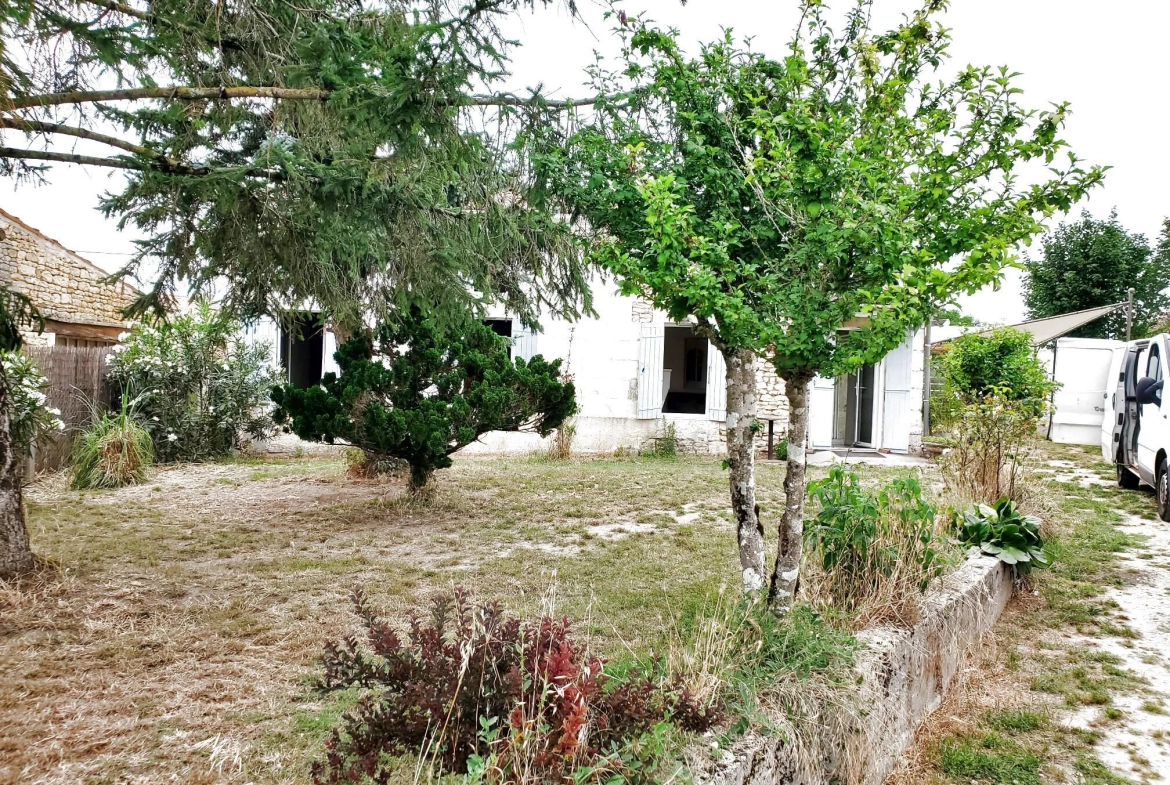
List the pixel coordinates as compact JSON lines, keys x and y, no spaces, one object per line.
{"x":665,"y":447}
{"x":875,"y":554}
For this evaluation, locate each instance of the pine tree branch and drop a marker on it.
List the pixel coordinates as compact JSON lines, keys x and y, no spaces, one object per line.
{"x":122,"y":8}
{"x":285,"y":93}
{"x":169,"y":93}
{"x":35,"y":126}
{"x":71,"y":158}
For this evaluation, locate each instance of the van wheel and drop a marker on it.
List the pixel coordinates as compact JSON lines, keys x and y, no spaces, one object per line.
{"x":1127,"y":479}
{"x":1163,"y":493}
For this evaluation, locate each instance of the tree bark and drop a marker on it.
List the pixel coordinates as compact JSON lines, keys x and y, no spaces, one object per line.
{"x":786,"y":575}
{"x":16,"y":558}
{"x":741,"y":461}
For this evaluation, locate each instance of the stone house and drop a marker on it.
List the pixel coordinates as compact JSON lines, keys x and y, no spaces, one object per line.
{"x":80,"y":308}
{"x":637,"y":373}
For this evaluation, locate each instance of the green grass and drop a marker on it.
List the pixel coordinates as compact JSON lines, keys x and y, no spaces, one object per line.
{"x":1015,"y":720}
{"x":989,"y":758}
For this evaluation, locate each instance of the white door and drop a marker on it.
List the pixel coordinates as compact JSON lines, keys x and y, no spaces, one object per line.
{"x":329,"y":362}
{"x":716,"y":384}
{"x":1079,"y":404}
{"x":896,"y":398}
{"x":1152,"y":434}
{"x":1114,"y":392}
{"x":820,"y":413}
{"x":650,"y":392}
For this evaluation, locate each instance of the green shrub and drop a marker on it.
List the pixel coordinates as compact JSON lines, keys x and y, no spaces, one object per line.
{"x":115,"y":451}
{"x":872,"y":553}
{"x":31,"y":420}
{"x":410,"y":391}
{"x":1001,"y":362}
{"x":1001,"y":531}
{"x":200,"y":385}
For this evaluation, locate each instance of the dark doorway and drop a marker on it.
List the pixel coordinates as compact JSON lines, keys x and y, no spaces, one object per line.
{"x":302,"y":349}
{"x":502,"y":327}
{"x":684,"y":363}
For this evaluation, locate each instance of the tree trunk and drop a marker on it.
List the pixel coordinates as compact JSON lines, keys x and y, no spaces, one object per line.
{"x":741,"y":461}
{"x":786,"y":575}
{"x":16,"y":558}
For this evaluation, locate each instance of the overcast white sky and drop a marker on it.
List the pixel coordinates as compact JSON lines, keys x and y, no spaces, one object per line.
{"x":1109,"y":59}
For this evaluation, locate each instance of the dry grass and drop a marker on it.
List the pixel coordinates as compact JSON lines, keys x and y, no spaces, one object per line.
{"x":176,"y":641}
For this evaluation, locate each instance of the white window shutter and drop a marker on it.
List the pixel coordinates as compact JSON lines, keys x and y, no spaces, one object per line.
{"x":820,"y":412}
{"x":523,"y":342}
{"x":650,"y":392}
{"x":329,"y":362}
{"x":716,"y":384}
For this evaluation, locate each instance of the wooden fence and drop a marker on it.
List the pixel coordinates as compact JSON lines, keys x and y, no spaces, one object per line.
{"x":78,"y":387}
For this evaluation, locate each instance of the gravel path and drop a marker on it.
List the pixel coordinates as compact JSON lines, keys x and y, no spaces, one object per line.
{"x":1137,"y":744}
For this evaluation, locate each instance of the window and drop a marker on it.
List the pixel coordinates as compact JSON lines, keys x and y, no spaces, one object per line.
{"x":1154,"y":365}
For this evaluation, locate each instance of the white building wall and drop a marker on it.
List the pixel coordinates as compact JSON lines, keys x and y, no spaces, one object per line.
{"x":602,"y":356}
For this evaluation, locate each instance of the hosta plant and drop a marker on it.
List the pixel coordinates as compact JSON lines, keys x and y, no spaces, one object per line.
{"x":1001,"y":531}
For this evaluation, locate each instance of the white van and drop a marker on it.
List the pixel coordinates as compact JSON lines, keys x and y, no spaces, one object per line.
{"x":1136,"y":439}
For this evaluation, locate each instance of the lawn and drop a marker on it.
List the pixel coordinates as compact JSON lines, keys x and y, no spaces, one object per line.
{"x":179,"y":637}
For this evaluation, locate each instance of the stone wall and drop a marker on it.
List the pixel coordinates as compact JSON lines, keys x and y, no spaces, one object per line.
{"x":64,"y":286}
{"x":903,"y":675}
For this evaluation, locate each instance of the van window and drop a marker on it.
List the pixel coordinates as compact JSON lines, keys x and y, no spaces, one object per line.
{"x":1154,"y":366}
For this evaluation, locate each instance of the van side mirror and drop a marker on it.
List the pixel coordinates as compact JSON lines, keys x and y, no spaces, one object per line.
{"x":1149,"y":391}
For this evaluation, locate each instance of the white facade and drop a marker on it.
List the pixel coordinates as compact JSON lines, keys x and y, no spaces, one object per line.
{"x":631,"y":380}
{"x":636,"y":373}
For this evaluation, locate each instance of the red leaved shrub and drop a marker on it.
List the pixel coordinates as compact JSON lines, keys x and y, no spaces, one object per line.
{"x":472,"y":680}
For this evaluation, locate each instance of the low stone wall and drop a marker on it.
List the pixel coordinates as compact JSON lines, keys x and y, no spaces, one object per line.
{"x":903,"y":676}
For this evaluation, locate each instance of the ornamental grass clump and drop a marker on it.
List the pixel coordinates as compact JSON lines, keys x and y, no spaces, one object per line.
{"x":114,"y":452}
{"x":470,"y":689}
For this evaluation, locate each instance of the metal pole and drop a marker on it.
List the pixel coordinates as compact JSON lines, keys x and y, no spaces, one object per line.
{"x":926,"y":384}
{"x":1129,"y":316}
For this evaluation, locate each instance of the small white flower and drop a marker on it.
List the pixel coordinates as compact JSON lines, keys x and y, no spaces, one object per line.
{"x":54,"y":411}
{"x":172,"y":437}
{"x":60,"y":426}
{"x":155,"y":418}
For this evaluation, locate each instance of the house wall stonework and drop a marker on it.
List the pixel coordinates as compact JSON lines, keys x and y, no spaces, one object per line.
{"x":64,"y":286}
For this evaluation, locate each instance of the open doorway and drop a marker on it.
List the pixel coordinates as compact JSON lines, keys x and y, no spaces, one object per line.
{"x":502,"y":327}
{"x":854,"y":403}
{"x":684,"y":371}
{"x":302,"y":349}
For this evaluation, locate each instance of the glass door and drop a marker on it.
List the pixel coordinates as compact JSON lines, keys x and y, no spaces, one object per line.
{"x":866,"y":397}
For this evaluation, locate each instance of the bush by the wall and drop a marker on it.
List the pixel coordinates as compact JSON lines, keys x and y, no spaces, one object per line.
{"x":873,"y":553}
{"x":201,"y":387}
{"x":503,"y":699}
